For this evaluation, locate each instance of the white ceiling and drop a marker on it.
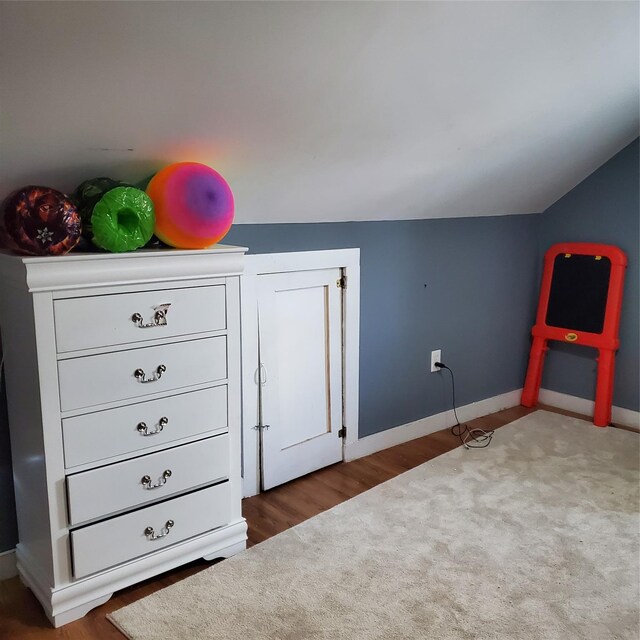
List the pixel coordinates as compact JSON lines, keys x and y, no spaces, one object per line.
{"x":323,"y":111}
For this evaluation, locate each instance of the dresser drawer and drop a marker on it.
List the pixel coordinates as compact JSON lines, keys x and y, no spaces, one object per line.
{"x":133,"y":483}
{"x":93,"y":380}
{"x":103,"y":545}
{"x":101,"y":321}
{"x":132,"y":429}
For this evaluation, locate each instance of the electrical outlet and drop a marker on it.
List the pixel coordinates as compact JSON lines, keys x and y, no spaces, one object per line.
{"x":436,"y":356}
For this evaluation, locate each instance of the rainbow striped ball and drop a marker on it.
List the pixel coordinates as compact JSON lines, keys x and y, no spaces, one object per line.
{"x":193,"y":205}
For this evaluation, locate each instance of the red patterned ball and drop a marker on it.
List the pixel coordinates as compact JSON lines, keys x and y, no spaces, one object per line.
{"x":41,"y":221}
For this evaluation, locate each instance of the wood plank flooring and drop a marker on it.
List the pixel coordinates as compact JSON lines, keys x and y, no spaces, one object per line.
{"x":267,"y":514}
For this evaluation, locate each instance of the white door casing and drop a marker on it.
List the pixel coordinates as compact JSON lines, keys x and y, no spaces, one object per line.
{"x":256,"y":265}
{"x":300,"y":336}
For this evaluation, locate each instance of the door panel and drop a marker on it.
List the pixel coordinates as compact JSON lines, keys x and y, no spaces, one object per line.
{"x":300,"y":332}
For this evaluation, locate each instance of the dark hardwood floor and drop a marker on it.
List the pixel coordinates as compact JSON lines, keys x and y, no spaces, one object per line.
{"x":269,"y":513}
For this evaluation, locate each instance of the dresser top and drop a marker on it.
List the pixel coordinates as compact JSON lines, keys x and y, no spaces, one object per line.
{"x":79,"y":256}
{"x":85,"y":269}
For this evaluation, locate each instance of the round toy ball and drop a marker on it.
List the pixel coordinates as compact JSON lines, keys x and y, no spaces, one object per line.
{"x":85,"y":197}
{"x":122,"y":220}
{"x":193,"y":205}
{"x":88,"y":194}
{"x":41,"y":221}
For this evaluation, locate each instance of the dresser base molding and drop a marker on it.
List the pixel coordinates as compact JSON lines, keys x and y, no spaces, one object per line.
{"x":71,"y":602}
{"x":227,"y":552}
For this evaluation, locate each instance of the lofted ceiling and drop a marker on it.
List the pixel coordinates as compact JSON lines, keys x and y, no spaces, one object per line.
{"x":322,"y":111}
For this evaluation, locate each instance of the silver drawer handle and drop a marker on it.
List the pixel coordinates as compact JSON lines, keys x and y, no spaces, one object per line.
{"x":146,"y":480}
{"x":152,"y":535}
{"x":143,"y":430}
{"x":141,"y":376}
{"x":159,"y":317}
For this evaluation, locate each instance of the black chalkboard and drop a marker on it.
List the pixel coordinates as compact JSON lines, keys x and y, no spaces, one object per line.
{"x":578,"y":295}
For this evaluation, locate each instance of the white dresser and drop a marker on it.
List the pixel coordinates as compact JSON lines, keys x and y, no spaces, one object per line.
{"x":123,"y":386}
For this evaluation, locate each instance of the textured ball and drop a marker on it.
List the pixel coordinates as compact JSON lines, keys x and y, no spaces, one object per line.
{"x":41,"y":221}
{"x":193,"y":205}
{"x":122,"y":220}
{"x":88,"y":194}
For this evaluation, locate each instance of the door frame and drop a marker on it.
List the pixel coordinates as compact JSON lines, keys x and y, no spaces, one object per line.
{"x":261,"y":264}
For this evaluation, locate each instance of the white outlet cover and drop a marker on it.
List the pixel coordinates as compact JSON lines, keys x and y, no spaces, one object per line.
{"x":436,"y":356}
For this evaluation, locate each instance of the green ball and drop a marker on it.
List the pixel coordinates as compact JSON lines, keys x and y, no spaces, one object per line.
{"x":123,"y":220}
{"x":88,"y":194}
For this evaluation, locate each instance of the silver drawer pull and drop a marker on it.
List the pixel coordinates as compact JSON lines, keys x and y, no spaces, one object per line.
{"x":159,"y":317}
{"x":146,"y":480}
{"x":152,"y":535}
{"x":141,"y":376}
{"x":143,"y":430}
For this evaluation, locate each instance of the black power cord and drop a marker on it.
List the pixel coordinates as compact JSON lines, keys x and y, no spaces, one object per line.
{"x":469,"y":438}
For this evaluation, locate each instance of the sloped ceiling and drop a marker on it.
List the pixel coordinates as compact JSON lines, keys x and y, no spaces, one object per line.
{"x":323,"y":111}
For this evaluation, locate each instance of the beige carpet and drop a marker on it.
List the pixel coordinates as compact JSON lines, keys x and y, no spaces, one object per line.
{"x":535,"y":537}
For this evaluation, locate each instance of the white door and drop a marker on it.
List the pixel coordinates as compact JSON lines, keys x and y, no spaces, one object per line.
{"x":300,"y":345}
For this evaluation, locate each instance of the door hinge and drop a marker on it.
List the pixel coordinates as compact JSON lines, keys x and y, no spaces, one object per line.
{"x":341,"y":282}
{"x":342,"y":433}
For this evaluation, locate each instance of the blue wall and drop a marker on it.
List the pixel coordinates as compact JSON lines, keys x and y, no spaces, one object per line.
{"x":465,"y":285}
{"x":603,"y":208}
{"x":8,"y":526}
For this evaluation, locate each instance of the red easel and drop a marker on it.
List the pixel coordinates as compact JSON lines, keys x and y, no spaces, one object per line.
{"x":606,"y":342}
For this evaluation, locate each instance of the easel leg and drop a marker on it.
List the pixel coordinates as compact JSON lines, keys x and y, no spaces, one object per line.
{"x":534,"y":373}
{"x":604,"y":388}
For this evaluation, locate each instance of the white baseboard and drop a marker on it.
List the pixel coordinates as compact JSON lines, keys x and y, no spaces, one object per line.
{"x":619,"y":415}
{"x":412,"y":430}
{"x":8,"y":567}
